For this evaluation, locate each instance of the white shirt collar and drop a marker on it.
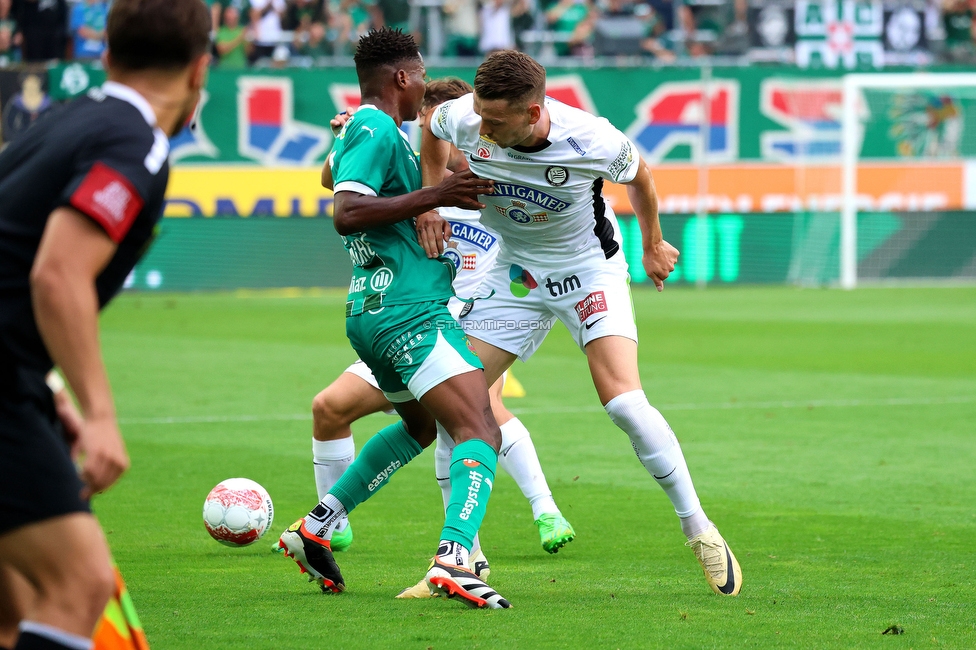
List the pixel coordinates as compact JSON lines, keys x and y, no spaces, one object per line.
{"x":128,"y":94}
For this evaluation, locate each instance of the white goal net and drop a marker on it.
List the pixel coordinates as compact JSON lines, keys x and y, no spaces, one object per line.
{"x":908,"y":210}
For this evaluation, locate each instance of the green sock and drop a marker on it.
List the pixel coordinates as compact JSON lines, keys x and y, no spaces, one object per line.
{"x":383,"y":454}
{"x":472,"y":476}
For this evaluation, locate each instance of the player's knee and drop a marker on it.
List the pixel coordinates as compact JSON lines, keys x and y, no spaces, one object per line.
{"x":82,"y":593}
{"x":328,"y":415}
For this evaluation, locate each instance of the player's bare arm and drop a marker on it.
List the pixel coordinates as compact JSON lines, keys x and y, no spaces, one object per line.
{"x":435,"y":155}
{"x":73,"y":251}
{"x":659,"y":256}
{"x":356,"y":212}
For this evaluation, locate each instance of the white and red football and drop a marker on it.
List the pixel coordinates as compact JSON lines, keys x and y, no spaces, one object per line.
{"x":238,"y":512}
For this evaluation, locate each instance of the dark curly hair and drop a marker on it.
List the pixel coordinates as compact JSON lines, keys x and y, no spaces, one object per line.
{"x":383,"y":47}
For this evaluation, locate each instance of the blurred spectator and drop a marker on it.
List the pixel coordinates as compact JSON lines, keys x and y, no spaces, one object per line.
{"x":216,"y":12}
{"x":25,"y":107}
{"x":42,"y":28}
{"x":231,"y":41}
{"x":348,"y":20}
{"x":266,"y":18}
{"x":664,"y":11}
{"x":496,"y":26}
{"x":574,"y":18}
{"x":960,"y":29}
{"x":7,"y":30}
{"x":314,"y":43}
{"x":394,"y":14}
{"x":657,"y":41}
{"x":301,"y":14}
{"x":88,"y":28}
{"x":461,"y":25}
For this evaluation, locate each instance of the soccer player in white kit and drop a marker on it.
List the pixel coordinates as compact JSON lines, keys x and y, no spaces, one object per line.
{"x":355,"y":393}
{"x":560,"y":258}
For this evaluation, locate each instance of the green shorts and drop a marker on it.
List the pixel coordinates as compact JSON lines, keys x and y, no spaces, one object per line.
{"x":411,"y":348}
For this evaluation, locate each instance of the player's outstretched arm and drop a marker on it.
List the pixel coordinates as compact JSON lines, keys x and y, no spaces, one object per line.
{"x":659,"y":255}
{"x":434,"y":152}
{"x":356,"y":212}
{"x":72,"y":253}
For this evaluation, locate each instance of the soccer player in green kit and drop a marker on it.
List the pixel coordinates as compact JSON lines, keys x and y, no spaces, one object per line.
{"x":397,"y":320}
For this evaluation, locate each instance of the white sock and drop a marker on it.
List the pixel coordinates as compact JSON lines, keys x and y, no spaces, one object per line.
{"x":322,"y":520}
{"x":56,"y":635}
{"x":518,"y":458}
{"x":452,"y":553}
{"x":442,"y":471}
{"x":658,"y":451}
{"x":330,"y":458}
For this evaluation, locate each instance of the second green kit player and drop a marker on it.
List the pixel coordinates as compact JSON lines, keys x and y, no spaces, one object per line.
{"x":397,"y":320}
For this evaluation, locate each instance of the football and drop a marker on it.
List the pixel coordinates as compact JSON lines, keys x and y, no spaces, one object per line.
{"x":237,"y":512}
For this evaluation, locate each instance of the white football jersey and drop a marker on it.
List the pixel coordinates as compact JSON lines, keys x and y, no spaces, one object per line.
{"x":548,"y":203}
{"x":473,"y":249}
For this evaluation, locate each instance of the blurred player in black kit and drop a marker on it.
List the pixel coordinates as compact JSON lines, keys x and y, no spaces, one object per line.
{"x":81,"y":193}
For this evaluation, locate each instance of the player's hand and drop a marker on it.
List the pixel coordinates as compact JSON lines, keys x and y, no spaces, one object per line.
{"x":340,"y":120}
{"x":461,"y":190}
{"x":104,"y":452}
{"x":433,"y":231}
{"x":659,"y":261}
{"x":71,"y":421}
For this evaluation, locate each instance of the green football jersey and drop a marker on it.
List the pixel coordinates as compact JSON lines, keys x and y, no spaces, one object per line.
{"x":372,"y":156}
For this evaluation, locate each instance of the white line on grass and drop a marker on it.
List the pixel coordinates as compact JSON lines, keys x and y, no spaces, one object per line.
{"x":705,"y":406}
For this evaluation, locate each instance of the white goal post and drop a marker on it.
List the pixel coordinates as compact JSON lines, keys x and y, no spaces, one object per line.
{"x":851,"y":142}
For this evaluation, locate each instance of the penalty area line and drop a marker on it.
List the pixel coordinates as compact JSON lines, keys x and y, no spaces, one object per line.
{"x":704,"y":406}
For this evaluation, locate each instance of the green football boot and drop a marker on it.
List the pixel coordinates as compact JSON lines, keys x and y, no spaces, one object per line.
{"x":341,"y":541}
{"x":554,"y":531}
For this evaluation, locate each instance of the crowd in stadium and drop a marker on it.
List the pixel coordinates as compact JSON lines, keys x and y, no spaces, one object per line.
{"x":301,"y":32}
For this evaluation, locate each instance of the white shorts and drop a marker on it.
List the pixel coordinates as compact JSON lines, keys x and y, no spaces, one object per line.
{"x":361,"y":370}
{"x":517,"y":305}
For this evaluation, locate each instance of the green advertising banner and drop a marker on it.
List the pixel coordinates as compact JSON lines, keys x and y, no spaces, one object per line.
{"x":281,"y":117}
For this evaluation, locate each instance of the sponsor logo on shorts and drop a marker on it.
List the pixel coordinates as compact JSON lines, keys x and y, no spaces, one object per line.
{"x":381,"y":280}
{"x":575,"y":145}
{"x":383,"y":475}
{"x":400,"y":349}
{"x":558,"y":288}
{"x":556,"y":175}
{"x":471,"y":349}
{"x":522,"y":281}
{"x":594,"y":303}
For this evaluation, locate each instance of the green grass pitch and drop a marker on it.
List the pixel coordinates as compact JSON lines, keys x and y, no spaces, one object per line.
{"x":831,"y":435}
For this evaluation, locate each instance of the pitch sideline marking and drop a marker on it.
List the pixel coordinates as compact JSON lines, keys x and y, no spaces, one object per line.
{"x":707,"y":406}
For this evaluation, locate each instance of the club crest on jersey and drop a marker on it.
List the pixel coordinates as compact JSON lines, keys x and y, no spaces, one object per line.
{"x":485,"y":148}
{"x":556,"y":175}
{"x":517,"y":213}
